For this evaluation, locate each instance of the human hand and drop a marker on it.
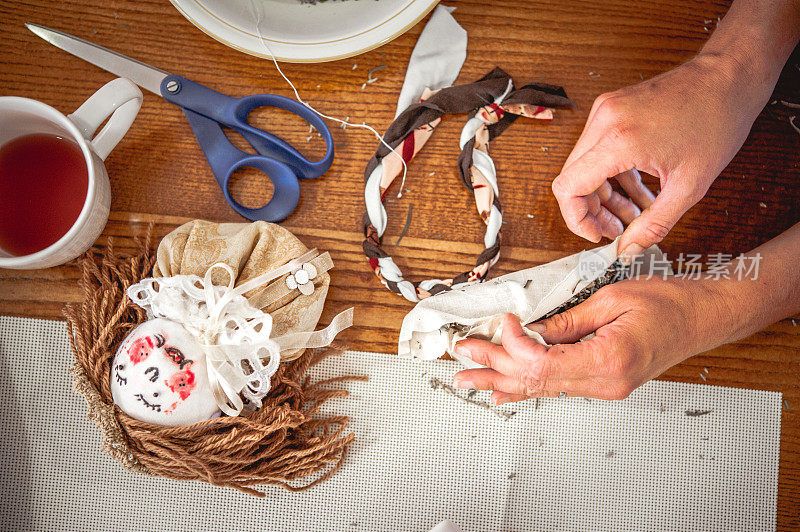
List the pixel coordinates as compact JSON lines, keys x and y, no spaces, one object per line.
{"x":643,"y":327}
{"x":683,"y":127}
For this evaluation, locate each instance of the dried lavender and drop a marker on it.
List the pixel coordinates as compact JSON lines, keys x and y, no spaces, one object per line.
{"x":616,"y":272}
{"x":697,"y":413}
{"x":438,"y":384}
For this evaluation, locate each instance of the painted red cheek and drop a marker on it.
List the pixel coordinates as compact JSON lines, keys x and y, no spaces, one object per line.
{"x":140,"y":349}
{"x":182,"y":383}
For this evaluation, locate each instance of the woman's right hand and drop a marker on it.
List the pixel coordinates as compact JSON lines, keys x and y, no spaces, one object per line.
{"x":683,"y":127}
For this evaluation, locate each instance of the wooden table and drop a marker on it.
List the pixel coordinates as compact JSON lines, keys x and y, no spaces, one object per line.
{"x":158,"y":173}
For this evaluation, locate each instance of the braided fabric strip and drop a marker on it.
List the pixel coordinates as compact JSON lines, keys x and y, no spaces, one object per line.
{"x":493,"y":104}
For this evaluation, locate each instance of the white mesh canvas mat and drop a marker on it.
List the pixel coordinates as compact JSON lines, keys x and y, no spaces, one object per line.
{"x":421,"y":456}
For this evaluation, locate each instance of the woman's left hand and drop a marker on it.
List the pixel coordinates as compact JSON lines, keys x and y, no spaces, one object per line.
{"x":643,"y":327}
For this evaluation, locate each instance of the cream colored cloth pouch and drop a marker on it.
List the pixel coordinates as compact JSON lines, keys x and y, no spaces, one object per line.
{"x":435,"y":324}
{"x":251,"y":249}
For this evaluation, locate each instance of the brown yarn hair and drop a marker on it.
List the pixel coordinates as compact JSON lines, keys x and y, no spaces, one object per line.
{"x":281,"y":442}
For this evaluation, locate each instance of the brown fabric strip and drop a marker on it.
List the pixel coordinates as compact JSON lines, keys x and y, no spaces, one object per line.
{"x":532,"y":94}
{"x":456,"y":99}
{"x":488,"y":253}
{"x":542,"y":94}
{"x":372,"y":251}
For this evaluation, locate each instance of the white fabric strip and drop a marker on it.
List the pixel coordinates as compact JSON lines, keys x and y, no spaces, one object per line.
{"x":493,"y":225}
{"x":483,"y":162}
{"x":389,"y":270}
{"x":372,"y":198}
{"x":408,"y":291}
{"x":469,"y":130}
{"x":315,"y":339}
{"x":437,"y":57}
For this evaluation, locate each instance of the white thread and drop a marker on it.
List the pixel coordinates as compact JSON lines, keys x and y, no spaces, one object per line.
{"x":297,"y":97}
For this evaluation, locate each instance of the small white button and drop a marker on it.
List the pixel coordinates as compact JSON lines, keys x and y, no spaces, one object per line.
{"x":311,"y":269}
{"x":301,"y":276}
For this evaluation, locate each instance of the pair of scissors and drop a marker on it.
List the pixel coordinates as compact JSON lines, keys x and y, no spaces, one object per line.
{"x":208,"y":111}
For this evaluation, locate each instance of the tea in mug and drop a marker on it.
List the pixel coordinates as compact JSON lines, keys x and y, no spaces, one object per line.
{"x":43,"y":186}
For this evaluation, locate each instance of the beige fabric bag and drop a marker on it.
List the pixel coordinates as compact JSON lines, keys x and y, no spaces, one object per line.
{"x":250,"y":249}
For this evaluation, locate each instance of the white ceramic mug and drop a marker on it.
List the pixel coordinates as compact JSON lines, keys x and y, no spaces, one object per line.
{"x":119,"y":102}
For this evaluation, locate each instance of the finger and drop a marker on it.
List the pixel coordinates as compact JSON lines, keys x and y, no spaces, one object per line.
{"x":655,"y":222}
{"x":489,"y":379}
{"x":610,"y":224}
{"x":623,"y":208}
{"x":534,"y":364}
{"x":516,"y":350}
{"x":631,"y":183}
{"x":500,"y":398}
{"x":585,"y":175}
{"x":487,"y":354}
{"x":602,"y":220}
{"x":573,"y":324}
{"x":517,"y":344}
{"x":580,"y":217}
{"x":580,"y":179}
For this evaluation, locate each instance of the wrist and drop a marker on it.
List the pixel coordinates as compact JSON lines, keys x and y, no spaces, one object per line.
{"x":737,"y":77}
{"x":755,"y":290}
{"x":753,"y":42}
{"x":719,"y":312}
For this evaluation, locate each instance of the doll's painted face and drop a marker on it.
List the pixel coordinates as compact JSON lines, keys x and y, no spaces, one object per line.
{"x":158,"y":375}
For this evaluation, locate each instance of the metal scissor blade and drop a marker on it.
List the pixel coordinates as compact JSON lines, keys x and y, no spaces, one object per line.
{"x":140,"y":73}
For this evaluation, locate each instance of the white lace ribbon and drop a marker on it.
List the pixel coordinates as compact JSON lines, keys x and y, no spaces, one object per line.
{"x":241,"y":357}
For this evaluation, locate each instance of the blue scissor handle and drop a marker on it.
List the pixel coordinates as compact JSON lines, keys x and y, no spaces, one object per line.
{"x":275,"y":147}
{"x":233,"y":113}
{"x":225,"y":158}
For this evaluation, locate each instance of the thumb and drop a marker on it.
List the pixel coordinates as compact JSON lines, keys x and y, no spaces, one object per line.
{"x":655,"y":222}
{"x":513,"y":338}
{"x":573,"y":324}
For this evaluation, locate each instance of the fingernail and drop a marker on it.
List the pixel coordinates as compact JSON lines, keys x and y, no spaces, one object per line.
{"x":463,"y":384}
{"x":536,"y":327}
{"x":630,"y":252}
{"x":497,"y":401}
{"x":463,"y":351}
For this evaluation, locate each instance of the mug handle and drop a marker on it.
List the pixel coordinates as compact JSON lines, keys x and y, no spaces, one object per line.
{"x":118,"y":100}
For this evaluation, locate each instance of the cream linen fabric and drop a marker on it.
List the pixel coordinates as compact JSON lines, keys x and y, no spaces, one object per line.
{"x":250,"y":249}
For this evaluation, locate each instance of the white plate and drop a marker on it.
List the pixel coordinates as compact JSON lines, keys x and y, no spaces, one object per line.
{"x":304,"y":33}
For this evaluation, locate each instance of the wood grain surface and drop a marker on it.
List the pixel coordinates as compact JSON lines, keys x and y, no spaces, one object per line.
{"x":159,"y":175}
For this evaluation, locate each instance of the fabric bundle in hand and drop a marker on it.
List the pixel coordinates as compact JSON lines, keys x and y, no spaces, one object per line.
{"x":434,"y":325}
